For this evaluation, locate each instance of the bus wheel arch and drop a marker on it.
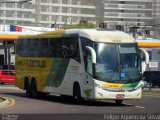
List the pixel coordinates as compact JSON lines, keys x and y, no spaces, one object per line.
{"x":77,"y":93}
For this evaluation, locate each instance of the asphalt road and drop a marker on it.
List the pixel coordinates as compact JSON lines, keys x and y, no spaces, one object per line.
{"x":54,"y":105}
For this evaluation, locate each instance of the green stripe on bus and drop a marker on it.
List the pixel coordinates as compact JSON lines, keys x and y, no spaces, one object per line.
{"x":131,"y":85}
{"x":57,"y":72}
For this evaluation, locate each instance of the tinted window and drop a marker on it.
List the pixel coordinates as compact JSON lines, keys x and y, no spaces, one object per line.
{"x":22,"y":47}
{"x":53,"y":46}
{"x":43,"y":47}
{"x":86,"y":54}
{"x":33,"y":48}
{"x":70,"y":48}
{"x":49,"y":47}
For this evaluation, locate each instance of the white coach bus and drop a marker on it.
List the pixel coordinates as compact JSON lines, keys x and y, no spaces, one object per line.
{"x":83,"y":63}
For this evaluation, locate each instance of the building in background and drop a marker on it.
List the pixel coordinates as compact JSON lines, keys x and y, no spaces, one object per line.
{"x":8,"y":37}
{"x":156,"y":17}
{"x":128,"y":12}
{"x":115,"y":14}
{"x":16,"y":13}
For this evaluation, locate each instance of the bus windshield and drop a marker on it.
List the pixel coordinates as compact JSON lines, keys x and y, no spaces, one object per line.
{"x":117,"y":62}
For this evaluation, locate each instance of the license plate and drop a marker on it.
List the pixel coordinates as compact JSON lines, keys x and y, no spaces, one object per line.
{"x":120,"y":96}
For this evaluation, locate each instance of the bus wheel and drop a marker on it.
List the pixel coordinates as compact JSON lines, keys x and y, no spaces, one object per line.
{"x":34,"y":89}
{"x":27,"y":87}
{"x":77,"y":94}
{"x":119,"y":102}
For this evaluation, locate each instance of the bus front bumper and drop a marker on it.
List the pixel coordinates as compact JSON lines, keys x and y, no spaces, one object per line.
{"x":101,"y":94}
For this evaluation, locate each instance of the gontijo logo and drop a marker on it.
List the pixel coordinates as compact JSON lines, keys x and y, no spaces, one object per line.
{"x":36,"y":63}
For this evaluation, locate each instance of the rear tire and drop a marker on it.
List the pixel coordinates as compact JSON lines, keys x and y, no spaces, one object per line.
{"x":34,"y":89}
{"x":28,"y":91}
{"x":27,"y":87}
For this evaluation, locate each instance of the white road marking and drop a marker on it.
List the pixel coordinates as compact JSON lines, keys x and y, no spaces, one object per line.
{"x":134,"y":106}
{"x":139,"y":107}
{"x":11,"y":102}
{"x":127,"y":104}
{"x":152,"y":95}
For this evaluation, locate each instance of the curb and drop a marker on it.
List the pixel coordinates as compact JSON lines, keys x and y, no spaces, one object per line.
{"x":13,"y":88}
{"x":4,"y":102}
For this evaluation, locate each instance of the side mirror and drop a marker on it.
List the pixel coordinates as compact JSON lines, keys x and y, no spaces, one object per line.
{"x":146,"y":55}
{"x":93,"y":53}
{"x":145,"y":62}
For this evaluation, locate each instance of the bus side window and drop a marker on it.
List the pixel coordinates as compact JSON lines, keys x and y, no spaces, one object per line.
{"x":53,"y":46}
{"x":26,"y":49}
{"x":65,"y":46}
{"x":35,"y":43}
{"x":89,"y":67}
{"x":85,"y":42}
{"x":19,"y":47}
{"x":44,"y":42}
{"x":44,"y":52}
{"x":74,"y":48}
{"x":34,"y":47}
{"x":70,"y":48}
{"x":23,"y":47}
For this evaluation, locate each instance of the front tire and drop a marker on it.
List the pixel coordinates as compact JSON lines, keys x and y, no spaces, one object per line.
{"x":77,"y":94}
{"x":119,"y":102}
